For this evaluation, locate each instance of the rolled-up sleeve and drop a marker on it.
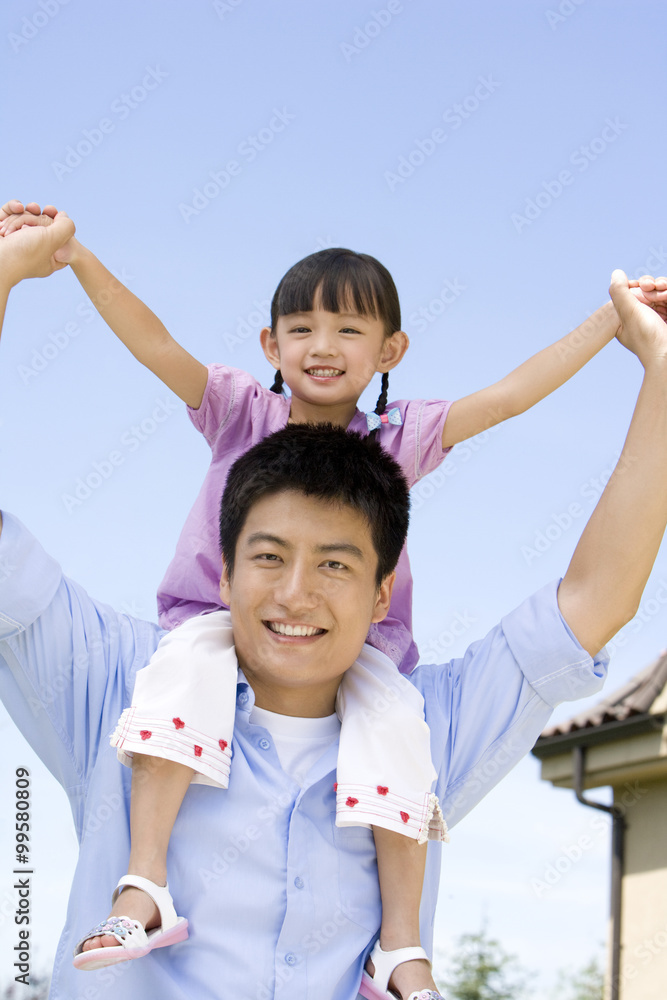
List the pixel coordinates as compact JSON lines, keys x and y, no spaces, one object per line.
{"x":487,"y":709}
{"x":67,"y":663}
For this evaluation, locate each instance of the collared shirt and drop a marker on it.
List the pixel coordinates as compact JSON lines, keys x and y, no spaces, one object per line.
{"x":281,"y":902}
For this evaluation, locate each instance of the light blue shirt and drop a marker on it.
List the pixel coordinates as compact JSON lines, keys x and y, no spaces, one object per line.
{"x":281,"y":902}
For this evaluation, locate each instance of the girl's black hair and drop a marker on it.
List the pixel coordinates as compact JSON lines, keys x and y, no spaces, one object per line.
{"x":343,"y":279}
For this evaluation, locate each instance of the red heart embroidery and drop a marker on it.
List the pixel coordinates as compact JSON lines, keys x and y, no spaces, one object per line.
{"x":336,"y":787}
{"x":223,"y":744}
{"x":197,"y":751}
{"x":405,"y":817}
{"x":145,"y":734}
{"x":382,"y":789}
{"x":178,"y":723}
{"x":351,"y":802}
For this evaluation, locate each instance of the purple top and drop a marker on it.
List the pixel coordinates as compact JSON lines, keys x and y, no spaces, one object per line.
{"x":237,"y":412}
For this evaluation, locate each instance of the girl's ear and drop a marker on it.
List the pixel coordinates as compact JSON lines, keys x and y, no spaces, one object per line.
{"x":270,"y":347}
{"x":393,"y":350}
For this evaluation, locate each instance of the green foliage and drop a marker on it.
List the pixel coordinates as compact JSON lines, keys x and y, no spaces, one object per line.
{"x":586,"y":984}
{"x":480,"y":969}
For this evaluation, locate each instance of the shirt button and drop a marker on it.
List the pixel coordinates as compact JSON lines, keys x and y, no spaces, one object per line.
{"x":264,"y":744}
{"x":243,"y":697}
{"x":290,"y":958}
{"x":298,"y":882}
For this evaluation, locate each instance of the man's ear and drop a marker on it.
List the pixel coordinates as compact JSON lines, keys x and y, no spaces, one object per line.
{"x":383,"y":599}
{"x":270,"y":347}
{"x":393,"y":350}
{"x":225,"y":585}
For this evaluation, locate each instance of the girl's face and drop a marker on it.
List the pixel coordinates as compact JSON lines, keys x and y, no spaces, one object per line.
{"x":327,"y":360}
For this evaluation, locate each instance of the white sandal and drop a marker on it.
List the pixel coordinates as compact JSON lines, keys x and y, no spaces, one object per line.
{"x":133,"y":941}
{"x":375,"y":987}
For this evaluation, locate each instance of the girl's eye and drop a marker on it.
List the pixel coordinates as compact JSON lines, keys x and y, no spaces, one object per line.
{"x":349,"y":329}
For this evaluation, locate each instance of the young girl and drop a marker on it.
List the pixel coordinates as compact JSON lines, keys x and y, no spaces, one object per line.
{"x":335,"y":322}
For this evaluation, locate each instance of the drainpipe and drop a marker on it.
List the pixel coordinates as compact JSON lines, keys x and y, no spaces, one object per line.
{"x":617,"y":841}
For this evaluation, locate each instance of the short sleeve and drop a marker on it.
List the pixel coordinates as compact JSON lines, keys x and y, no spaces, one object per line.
{"x":417,"y":444}
{"x":217,"y":405}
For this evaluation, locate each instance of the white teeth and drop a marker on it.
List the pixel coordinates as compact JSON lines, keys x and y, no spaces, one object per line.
{"x":324,"y":372}
{"x":282,"y":629}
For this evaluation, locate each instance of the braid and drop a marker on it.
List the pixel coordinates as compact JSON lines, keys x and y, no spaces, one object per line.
{"x":278,"y":383}
{"x":381,"y":404}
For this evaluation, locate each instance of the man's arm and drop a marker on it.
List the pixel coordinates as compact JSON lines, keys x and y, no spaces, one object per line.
{"x":546,"y":371}
{"x":134,"y":323}
{"x":604,"y":582}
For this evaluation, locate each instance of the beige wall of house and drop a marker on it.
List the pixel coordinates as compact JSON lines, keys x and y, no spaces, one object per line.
{"x":644,"y":900}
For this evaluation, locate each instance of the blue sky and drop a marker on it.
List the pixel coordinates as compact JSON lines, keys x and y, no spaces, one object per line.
{"x":500,"y":159}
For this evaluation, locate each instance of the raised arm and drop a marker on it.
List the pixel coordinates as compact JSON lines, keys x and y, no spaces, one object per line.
{"x":604,"y":582}
{"x":544,"y":372}
{"x":132,"y":321}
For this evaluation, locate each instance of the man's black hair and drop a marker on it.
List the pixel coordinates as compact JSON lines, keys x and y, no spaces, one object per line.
{"x":330,"y":464}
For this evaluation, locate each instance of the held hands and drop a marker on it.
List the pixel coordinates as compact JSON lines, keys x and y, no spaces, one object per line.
{"x":643,"y":330}
{"x":14,"y":216}
{"x":30,"y":248}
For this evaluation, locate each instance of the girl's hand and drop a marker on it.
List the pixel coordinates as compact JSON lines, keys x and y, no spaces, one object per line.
{"x":14,"y":216}
{"x":651,"y":291}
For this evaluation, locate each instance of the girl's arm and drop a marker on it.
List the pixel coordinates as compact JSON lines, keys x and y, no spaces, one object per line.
{"x":541,"y":374}
{"x":132,"y":321}
{"x":138,"y":327}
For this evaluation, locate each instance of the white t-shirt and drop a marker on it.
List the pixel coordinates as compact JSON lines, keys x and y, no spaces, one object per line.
{"x":299,"y":742}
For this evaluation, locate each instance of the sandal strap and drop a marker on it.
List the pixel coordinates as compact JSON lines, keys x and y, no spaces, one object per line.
{"x":386,"y":961}
{"x":158,"y":893}
{"x":426,"y":995}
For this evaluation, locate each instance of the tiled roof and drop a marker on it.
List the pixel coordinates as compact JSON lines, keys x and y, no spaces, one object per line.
{"x":635,"y":698}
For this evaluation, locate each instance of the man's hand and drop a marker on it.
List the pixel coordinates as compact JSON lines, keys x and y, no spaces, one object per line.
{"x":643,"y":330}
{"x":30,"y":252}
{"x":14,"y":216}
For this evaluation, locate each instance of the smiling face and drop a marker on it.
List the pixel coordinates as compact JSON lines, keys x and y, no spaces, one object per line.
{"x":327,"y":359}
{"x":302,"y":597}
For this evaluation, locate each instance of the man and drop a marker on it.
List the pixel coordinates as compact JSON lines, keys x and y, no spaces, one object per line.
{"x":281,"y":902}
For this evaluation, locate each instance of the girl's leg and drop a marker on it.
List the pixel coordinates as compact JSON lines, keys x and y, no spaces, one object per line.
{"x":401,"y":864}
{"x":158,"y":789}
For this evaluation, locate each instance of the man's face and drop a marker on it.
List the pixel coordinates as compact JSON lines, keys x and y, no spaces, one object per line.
{"x":302,"y":596}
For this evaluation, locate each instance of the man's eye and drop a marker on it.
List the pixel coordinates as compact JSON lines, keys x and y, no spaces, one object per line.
{"x":334,"y":564}
{"x":267,"y":556}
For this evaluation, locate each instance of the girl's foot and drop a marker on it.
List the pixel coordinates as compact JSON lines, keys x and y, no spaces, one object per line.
{"x":132,"y":903}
